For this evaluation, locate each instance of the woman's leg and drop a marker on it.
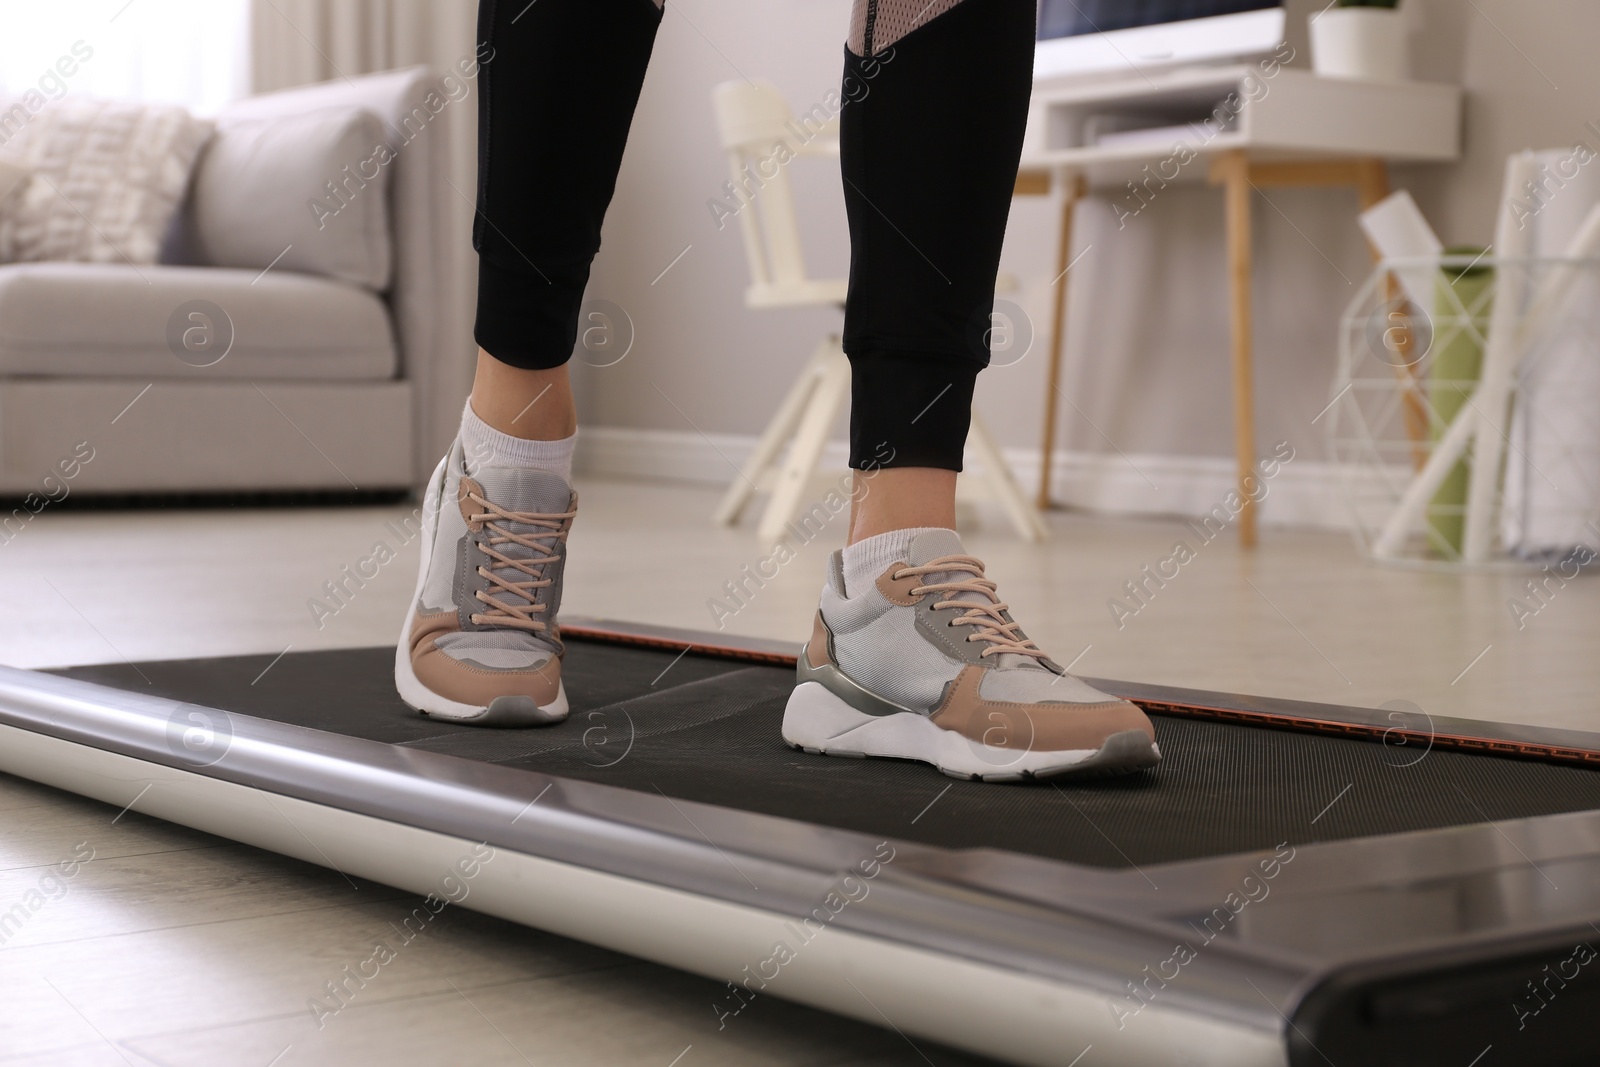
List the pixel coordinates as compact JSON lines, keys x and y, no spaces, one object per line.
{"x":938,"y":97}
{"x":912,"y":652}
{"x":560,"y":79}
{"x":558,"y":98}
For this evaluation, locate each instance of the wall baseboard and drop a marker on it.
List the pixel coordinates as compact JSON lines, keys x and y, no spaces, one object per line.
{"x":1305,"y":493}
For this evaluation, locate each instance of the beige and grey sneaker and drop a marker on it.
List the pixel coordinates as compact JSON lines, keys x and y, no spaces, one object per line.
{"x":480,"y":642}
{"x":927,"y":664}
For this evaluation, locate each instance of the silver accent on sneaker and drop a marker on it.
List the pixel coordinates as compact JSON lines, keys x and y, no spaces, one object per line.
{"x":846,"y":689}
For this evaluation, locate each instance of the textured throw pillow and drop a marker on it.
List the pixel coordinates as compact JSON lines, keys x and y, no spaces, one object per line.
{"x":107,"y":178}
{"x":13,"y":176}
{"x":307,"y":192}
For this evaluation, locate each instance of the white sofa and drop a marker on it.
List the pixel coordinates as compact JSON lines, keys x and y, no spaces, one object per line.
{"x":328,"y":385}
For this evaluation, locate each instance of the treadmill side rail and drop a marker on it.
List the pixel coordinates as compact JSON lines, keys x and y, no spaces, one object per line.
{"x":990,"y":1010}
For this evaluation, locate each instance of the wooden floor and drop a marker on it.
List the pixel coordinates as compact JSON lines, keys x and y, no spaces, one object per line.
{"x":170,"y":947}
{"x":1303,"y":617}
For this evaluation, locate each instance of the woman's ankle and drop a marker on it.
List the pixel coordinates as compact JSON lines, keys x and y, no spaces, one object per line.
{"x":536,"y":405}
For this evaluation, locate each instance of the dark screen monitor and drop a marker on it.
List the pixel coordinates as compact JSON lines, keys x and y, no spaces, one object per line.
{"x":1082,"y":36}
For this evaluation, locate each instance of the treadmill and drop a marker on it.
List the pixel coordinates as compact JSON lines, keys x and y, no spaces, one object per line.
{"x":1296,"y":884}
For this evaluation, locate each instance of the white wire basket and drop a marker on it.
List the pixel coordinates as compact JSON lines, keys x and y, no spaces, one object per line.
{"x":1448,"y":361}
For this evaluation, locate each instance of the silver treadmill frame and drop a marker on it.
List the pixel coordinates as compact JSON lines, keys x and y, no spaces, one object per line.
{"x":1007,"y":955}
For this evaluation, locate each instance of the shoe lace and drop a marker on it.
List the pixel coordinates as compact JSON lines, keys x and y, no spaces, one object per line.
{"x":539,"y":535}
{"x":987,"y":619}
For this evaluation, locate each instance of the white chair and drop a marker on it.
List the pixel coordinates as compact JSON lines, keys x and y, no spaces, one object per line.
{"x":754,"y":120}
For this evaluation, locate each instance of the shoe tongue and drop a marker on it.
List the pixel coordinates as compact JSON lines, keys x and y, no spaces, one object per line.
{"x":525,"y":489}
{"x":931,"y":544}
{"x":531,"y":491}
{"x":935,"y":544}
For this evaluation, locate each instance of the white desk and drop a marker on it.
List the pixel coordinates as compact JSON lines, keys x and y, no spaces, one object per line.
{"x":1279,"y":127}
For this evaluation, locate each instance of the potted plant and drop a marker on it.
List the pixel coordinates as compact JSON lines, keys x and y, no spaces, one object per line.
{"x":1363,"y":39}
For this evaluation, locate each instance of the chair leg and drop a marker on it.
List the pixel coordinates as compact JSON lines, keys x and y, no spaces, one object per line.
{"x":1023,"y":515}
{"x":809,"y":441}
{"x":804,"y":420}
{"x":773,"y":438}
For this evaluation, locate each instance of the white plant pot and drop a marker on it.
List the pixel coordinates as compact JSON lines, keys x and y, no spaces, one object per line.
{"x":1368,"y":43}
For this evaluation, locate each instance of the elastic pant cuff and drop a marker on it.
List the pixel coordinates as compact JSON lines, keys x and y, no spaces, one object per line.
{"x":529,"y":319}
{"x":909,"y":410}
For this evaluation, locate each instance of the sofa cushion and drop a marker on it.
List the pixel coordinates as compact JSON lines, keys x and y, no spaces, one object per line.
{"x":99,"y":320}
{"x":311,"y":188}
{"x":107,"y":179}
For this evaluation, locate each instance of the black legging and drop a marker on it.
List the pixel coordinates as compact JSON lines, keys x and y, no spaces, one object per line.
{"x":929,"y":154}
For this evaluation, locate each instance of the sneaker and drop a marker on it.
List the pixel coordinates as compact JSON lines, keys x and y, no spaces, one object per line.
{"x":480,"y":642}
{"x":928,"y":665}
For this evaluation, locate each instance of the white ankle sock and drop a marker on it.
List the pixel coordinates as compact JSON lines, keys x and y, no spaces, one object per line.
{"x":486,"y":446}
{"x":865,"y":560}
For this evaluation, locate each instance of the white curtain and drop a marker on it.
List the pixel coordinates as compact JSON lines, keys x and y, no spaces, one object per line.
{"x":296,"y":42}
{"x":189,"y":52}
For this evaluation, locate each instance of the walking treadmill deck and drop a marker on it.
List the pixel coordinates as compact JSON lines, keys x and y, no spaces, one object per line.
{"x":706,"y":729}
{"x":1426,"y":871}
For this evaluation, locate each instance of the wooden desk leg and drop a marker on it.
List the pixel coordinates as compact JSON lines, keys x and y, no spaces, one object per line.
{"x":1234,"y":172}
{"x":1372,"y":182}
{"x":1075,"y":191}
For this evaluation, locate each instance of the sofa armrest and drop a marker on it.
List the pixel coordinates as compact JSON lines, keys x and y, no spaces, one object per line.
{"x":432,"y":295}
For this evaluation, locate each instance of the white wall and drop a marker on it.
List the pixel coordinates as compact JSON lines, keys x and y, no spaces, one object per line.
{"x":1147,"y":341}
{"x":726,"y":367}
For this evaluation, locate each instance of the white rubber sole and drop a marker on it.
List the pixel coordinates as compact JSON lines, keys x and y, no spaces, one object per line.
{"x":819,"y":722}
{"x":516,"y":711}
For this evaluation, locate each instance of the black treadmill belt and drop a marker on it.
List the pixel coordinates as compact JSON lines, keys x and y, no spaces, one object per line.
{"x":704,"y":729}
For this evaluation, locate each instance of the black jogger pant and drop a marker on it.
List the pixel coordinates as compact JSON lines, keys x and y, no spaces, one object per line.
{"x":936,"y":96}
